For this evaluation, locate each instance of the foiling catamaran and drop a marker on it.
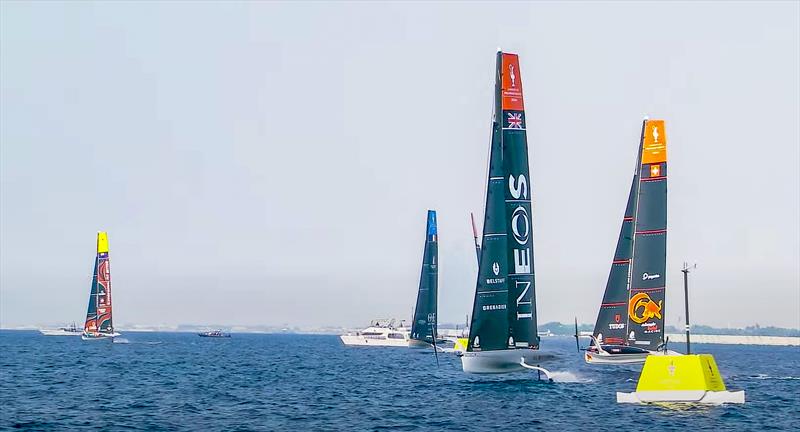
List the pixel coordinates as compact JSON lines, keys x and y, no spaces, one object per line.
{"x":99,"y":324}
{"x":503,"y":336}
{"x":424,"y":326}
{"x":630,"y":324}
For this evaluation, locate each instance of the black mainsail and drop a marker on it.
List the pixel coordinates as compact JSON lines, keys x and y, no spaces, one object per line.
{"x":504,"y":310}
{"x":649,"y":262}
{"x":423,"y":328}
{"x":631,"y":313}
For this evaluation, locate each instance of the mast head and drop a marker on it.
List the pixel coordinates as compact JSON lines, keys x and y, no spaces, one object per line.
{"x":102,"y":242}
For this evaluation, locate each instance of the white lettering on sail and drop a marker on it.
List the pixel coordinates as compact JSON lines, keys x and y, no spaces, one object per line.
{"x":520,"y":300}
{"x":522,"y":261}
{"x":520,"y":224}
{"x":520,"y":237}
{"x":521,"y":188}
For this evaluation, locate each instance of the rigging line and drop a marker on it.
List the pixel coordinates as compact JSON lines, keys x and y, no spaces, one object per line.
{"x":637,"y":184}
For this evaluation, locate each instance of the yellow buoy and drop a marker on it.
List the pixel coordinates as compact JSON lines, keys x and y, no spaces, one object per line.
{"x":681,"y":378}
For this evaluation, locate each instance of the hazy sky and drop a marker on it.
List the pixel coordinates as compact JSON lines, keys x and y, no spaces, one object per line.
{"x":269,"y":163}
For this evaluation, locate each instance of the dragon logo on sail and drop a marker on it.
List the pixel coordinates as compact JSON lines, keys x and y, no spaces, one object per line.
{"x":642,"y":308}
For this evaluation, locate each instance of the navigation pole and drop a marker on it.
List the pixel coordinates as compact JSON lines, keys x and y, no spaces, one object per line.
{"x":686,"y":269}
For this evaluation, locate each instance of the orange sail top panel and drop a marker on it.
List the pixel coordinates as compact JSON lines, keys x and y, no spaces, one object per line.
{"x":512,"y":83}
{"x":654,"y":148}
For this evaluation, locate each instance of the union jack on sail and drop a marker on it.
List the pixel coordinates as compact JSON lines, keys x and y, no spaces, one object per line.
{"x":514,"y":120}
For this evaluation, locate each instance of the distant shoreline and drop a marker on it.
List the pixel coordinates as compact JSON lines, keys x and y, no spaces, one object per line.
{"x":674,"y":338}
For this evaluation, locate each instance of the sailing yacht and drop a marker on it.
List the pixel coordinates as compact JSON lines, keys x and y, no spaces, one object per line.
{"x":99,"y":324}
{"x":424,"y":325}
{"x":630,"y":323}
{"x":503,"y":332}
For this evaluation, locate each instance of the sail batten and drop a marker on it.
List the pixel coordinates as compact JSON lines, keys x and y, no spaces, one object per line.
{"x":424,"y":325}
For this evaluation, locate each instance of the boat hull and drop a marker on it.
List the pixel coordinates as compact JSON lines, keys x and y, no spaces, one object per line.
{"x":59,"y":332}
{"x":621,"y":358}
{"x":100,"y":336}
{"x":359,"y":340}
{"x":502,"y":361}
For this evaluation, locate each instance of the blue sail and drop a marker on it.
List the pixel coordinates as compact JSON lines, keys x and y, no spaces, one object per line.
{"x":424,"y":326}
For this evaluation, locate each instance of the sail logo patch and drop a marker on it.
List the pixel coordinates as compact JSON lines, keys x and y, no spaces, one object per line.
{"x":647,"y":276}
{"x":655,"y":143}
{"x":496,"y":269}
{"x":642,"y":308}
{"x":511,"y":82}
{"x":655,"y":170}
{"x":520,"y":224}
{"x":616,"y":325}
{"x":494,"y":307}
{"x":514,"y":120}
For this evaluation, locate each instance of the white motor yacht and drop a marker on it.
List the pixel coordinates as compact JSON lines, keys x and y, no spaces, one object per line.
{"x":381,"y":332}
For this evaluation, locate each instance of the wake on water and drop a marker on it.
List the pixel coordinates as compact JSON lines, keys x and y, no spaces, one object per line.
{"x":118,"y":340}
{"x":568,"y":377}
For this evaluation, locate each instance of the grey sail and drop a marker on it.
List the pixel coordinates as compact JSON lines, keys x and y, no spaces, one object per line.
{"x":424,"y":326}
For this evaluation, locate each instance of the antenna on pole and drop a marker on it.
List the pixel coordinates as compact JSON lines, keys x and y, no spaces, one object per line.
{"x":686,"y":269}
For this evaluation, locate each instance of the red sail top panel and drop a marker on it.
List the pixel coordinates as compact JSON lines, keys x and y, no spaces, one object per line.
{"x":512,"y":83}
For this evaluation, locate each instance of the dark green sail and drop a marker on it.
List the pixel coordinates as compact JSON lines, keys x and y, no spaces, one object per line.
{"x":424,"y":326}
{"x":521,"y":282}
{"x":489,"y":328}
{"x":648,"y":272}
{"x":504,"y":311}
{"x":611,"y":326}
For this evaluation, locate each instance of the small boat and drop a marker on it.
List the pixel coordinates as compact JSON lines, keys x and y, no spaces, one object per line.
{"x":630,"y":323}
{"x":424,"y":326}
{"x":381,"y":332}
{"x":70,"y":330}
{"x":214,"y":334}
{"x":503,"y":333}
{"x":99,"y":324}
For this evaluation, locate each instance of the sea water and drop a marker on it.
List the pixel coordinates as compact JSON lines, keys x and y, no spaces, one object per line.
{"x":179,"y":381}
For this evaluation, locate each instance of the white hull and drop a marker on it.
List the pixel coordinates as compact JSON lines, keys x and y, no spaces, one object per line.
{"x":102,"y":337}
{"x":502,"y":361}
{"x":359,"y":340}
{"x":682,"y":396}
{"x":621,"y":359}
{"x":59,"y":332}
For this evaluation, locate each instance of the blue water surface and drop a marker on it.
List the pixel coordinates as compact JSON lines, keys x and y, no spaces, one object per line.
{"x":179,"y":381}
